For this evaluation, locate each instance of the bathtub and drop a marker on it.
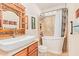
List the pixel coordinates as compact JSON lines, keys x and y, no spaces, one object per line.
{"x":15,"y":43}
{"x":53,"y":44}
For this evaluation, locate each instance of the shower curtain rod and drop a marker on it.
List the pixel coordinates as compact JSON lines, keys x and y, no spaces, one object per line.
{"x":51,"y":11}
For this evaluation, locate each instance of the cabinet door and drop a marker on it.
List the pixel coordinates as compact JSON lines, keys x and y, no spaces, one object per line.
{"x":32,"y":47}
{"x":22,"y":53}
{"x":34,"y":52}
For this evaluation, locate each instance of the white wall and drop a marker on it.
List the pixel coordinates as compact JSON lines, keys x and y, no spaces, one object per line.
{"x":73,"y":40}
{"x":32,"y":10}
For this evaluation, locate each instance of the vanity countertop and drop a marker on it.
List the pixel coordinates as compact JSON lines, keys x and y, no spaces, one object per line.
{"x":10,"y":53}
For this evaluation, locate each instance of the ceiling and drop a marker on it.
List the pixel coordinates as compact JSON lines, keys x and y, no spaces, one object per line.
{"x":44,"y":6}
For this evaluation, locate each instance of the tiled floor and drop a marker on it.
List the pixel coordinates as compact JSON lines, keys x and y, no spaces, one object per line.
{"x":52,"y":54}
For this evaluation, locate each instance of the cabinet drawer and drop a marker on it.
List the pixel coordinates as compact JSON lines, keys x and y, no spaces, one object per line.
{"x":22,"y":53}
{"x":32,"y":47}
{"x":33,"y":53}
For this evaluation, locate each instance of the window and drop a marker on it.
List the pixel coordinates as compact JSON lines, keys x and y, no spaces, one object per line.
{"x":33,"y":23}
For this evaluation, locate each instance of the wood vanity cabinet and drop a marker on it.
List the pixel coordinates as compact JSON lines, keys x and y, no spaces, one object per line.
{"x":33,"y":53}
{"x":22,"y":52}
{"x":31,"y":50}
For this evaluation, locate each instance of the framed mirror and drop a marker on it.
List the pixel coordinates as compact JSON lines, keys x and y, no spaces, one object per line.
{"x":12,"y":17}
{"x":10,"y":20}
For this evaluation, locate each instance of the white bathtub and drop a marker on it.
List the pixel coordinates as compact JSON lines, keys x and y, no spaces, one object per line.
{"x":53,"y":44}
{"x":14,"y":43}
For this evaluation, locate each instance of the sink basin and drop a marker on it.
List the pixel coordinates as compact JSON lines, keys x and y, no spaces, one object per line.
{"x":14,"y":43}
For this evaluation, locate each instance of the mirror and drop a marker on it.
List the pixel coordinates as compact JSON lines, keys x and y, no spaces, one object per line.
{"x":10,"y":20}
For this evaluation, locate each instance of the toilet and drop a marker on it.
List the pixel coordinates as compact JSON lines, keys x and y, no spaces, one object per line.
{"x":42,"y":50}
